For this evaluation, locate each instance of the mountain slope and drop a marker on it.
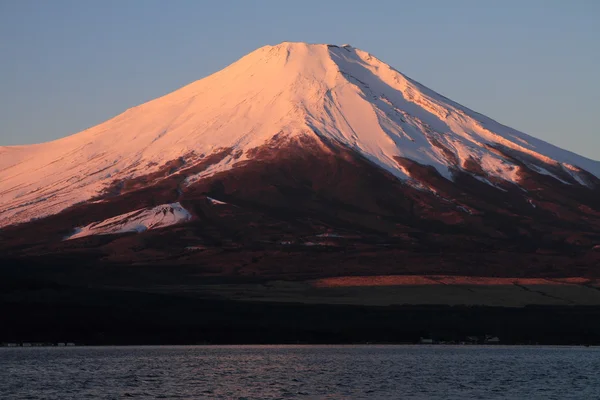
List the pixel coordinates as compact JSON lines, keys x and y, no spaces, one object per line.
{"x":315,"y":209}
{"x":318,"y":94}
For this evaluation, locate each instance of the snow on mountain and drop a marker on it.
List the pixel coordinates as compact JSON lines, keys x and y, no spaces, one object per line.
{"x":215,"y":201}
{"x":136,"y":221}
{"x":339,"y":93}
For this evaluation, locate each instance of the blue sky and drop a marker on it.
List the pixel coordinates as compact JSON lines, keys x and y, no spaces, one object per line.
{"x":66,"y":65}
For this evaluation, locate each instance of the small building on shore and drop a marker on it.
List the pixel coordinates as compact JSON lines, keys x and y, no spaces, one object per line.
{"x":489,"y":339}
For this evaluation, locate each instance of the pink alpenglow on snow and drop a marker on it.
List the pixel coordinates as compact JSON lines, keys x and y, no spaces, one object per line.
{"x":136,"y":221}
{"x":341,"y":94}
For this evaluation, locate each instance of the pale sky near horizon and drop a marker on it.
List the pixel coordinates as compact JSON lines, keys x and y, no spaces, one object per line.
{"x":66,"y":65}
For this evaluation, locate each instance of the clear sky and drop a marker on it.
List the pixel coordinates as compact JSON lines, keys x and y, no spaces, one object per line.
{"x":66,"y":65}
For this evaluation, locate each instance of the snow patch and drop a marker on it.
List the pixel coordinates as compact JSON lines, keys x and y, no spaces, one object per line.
{"x":136,"y":221}
{"x":215,"y":201}
{"x":479,"y":178}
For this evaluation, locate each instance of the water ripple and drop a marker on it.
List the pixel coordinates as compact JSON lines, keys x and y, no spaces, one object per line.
{"x":306,"y":372}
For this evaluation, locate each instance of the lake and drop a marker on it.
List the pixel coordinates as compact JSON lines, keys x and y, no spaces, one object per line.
{"x":306,"y":372}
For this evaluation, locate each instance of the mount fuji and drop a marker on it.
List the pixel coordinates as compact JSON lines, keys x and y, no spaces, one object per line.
{"x":305,"y":160}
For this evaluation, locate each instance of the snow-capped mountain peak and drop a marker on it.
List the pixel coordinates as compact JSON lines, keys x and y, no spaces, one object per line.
{"x":338,"y":93}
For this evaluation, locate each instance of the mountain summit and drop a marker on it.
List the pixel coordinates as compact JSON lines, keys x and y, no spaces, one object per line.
{"x":341,"y":94}
{"x":303,"y":146}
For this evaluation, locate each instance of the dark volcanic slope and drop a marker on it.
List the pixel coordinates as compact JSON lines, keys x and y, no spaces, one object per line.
{"x":305,"y":208}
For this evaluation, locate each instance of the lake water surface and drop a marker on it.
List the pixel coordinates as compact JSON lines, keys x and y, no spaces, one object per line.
{"x":307,"y":372}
